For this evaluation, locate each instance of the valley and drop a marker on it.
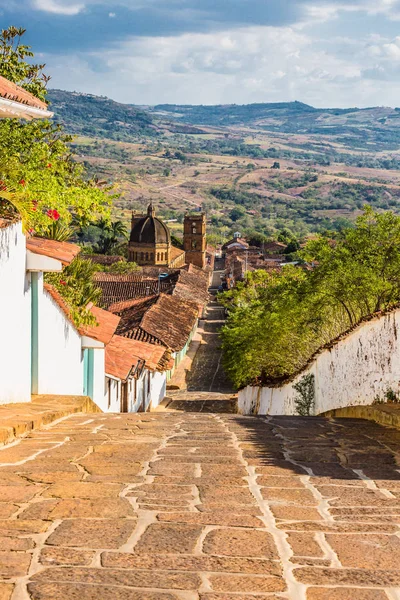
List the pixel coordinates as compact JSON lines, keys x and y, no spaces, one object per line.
{"x":264,"y":170}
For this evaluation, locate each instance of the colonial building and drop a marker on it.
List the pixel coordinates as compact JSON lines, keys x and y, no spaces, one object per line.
{"x":150,"y":242}
{"x":194,"y":239}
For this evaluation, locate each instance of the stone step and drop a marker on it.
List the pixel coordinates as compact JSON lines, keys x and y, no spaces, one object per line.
{"x":19,"y":419}
{"x":210,"y":404}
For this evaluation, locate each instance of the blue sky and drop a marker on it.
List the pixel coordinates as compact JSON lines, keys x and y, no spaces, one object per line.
{"x":326,"y":53}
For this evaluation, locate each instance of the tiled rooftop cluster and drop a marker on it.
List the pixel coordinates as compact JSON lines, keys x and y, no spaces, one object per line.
{"x":159,"y":312}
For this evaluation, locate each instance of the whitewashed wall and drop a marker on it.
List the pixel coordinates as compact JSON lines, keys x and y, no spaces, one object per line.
{"x":15,"y":318}
{"x":142,"y":399}
{"x":60,"y":356}
{"x":359,"y":368}
{"x":158,"y":388}
{"x":99,"y":378}
{"x":111,"y":395}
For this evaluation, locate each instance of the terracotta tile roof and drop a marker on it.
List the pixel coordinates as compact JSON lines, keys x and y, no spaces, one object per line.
{"x":4,"y":223}
{"x":235,"y":241}
{"x":120,"y":288}
{"x":192,"y":286}
{"x":122,"y":354}
{"x":168,"y":321}
{"x":176,"y":253}
{"x":14,"y":92}
{"x":145,"y":303}
{"x":62,"y":251}
{"x":107,"y":324}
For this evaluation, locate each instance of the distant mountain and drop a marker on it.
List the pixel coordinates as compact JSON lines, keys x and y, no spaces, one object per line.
{"x":368,"y":129}
{"x":85,"y":114}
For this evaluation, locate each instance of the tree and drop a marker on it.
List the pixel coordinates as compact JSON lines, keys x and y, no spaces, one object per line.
{"x":277,"y":321}
{"x":110,"y":236}
{"x":77,"y":287}
{"x":15,"y":68}
{"x":43,"y":181}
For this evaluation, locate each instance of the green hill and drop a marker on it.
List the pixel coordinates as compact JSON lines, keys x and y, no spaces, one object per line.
{"x":98,"y":116}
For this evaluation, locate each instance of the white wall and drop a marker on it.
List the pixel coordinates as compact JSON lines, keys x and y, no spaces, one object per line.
{"x":60,"y":355}
{"x":142,"y":399}
{"x":158,"y":388}
{"x":15,"y":318}
{"x":111,"y":395}
{"x":359,"y":368}
{"x":99,"y":378}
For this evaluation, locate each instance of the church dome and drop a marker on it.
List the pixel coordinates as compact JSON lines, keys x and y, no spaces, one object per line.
{"x":150,"y":230}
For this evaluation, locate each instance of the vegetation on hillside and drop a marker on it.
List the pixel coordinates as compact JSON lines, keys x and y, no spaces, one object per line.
{"x":277,"y":321}
{"x":85,"y":114}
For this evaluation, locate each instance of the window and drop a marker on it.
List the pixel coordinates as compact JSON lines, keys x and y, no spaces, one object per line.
{"x":194,"y":230}
{"x":147,"y":256}
{"x":158,"y":256}
{"x":141,"y":256}
{"x":194,"y":245}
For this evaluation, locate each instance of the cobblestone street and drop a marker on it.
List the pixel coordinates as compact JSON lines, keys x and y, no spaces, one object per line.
{"x":201,"y":507}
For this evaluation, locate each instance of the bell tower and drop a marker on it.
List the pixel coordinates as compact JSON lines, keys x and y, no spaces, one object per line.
{"x":194,"y":239}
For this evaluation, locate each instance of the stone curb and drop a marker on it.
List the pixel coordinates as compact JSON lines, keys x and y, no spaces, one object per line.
{"x":387,"y":414}
{"x":19,"y":419}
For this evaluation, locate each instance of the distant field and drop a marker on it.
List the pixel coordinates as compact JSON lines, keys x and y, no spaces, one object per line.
{"x":256,"y":168}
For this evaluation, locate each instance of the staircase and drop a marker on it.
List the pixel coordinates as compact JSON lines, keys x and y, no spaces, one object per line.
{"x":199,"y":402}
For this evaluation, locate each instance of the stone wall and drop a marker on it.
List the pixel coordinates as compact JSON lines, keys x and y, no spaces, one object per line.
{"x":359,"y":368}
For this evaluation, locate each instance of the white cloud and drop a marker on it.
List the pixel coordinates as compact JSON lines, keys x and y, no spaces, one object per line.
{"x":59,"y":8}
{"x":257,"y":64}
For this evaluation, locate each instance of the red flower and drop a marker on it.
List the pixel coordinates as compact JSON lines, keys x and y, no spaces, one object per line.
{"x":49,"y":166}
{"x":22,"y":182}
{"x":31,"y":231}
{"x":62,"y":282}
{"x":34,"y":205}
{"x":53,"y":214}
{"x":3,"y":186}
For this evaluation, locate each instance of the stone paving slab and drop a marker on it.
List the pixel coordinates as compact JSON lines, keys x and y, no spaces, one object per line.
{"x":16,"y":420}
{"x":193,"y":506}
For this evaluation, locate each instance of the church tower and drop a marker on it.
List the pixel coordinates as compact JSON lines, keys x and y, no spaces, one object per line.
{"x":194,"y":239}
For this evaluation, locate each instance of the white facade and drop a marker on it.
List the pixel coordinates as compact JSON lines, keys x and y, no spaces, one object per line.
{"x":357,"y":370}
{"x":144,"y":393}
{"x":112,"y":392}
{"x":15,"y":315}
{"x":60,"y":355}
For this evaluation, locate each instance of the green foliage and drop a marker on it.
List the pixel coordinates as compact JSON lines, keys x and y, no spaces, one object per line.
{"x":277,"y":321}
{"x":111,"y":234}
{"x":108,"y":119}
{"x":15,"y":68}
{"x":121,"y":267}
{"x":36,"y":161}
{"x":391,"y":396}
{"x":57,"y":230}
{"x":305,"y":400}
{"x":36,"y":165}
{"x":77,"y":287}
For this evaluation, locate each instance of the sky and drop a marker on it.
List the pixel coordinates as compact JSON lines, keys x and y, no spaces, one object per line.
{"x":327,"y":53}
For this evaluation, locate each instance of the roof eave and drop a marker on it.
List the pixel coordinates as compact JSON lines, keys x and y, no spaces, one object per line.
{"x":11,"y":109}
